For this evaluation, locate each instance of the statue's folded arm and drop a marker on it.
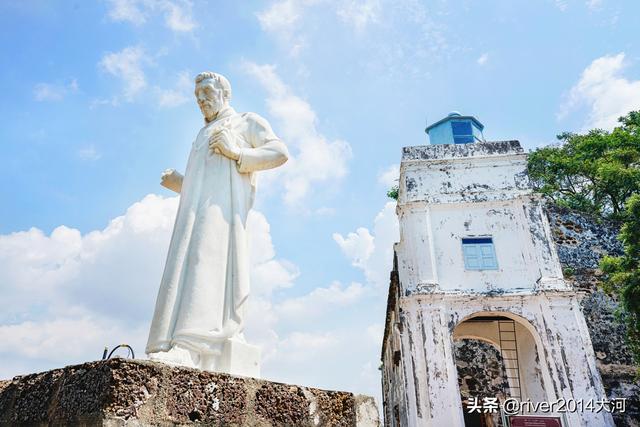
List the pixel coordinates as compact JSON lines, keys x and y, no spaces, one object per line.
{"x":270,"y":155}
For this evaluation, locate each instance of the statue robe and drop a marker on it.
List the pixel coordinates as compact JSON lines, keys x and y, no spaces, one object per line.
{"x":205,"y":283}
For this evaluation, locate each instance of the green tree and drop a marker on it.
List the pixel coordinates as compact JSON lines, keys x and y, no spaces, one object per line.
{"x":393,"y":192}
{"x":594,"y":172}
{"x":599,"y":173}
{"x":622,"y":274}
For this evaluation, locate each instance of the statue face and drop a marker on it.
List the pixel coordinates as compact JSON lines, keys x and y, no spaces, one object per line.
{"x":210,"y":99}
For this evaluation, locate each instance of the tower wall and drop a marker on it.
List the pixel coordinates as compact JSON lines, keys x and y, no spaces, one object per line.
{"x":453,"y":192}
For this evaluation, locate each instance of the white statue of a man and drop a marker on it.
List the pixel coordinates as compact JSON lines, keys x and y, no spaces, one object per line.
{"x":199,"y":315}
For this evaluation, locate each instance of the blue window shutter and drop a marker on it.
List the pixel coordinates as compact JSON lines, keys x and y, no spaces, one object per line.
{"x":471,"y":257}
{"x":488,"y":256}
{"x":479,"y":253}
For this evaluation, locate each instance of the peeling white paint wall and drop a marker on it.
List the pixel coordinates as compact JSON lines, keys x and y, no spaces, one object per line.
{"x":448,"y":192}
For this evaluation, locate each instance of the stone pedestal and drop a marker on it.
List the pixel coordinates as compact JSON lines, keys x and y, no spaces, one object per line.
{"x":240,"y":358}
{"x":122,"y":392}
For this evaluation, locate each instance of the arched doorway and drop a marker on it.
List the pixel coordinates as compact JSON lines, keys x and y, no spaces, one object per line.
{"x":496,"y":356}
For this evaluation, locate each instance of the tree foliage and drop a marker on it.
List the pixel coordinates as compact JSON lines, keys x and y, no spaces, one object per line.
{"x":594,"y":172}
{"x":599,"y":173}
{"x":393,"y":192}
{"x":623,"y":273}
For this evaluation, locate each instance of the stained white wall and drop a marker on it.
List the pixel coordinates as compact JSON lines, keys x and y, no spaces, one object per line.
{"x":430,"y":251}
{"x":565,"y":366}
{"x":448,"y":192}
{"x":469,"y":191}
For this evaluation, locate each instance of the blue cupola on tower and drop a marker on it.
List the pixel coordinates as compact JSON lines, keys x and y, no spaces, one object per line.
{"x":455,"y":129}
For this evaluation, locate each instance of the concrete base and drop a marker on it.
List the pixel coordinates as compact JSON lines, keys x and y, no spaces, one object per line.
{"x":234,"y":357}
{"x":240,"y":358}
{"x":123,"y":392}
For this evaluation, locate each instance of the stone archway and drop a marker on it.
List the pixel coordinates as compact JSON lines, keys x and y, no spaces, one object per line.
{"x":496,"y":356}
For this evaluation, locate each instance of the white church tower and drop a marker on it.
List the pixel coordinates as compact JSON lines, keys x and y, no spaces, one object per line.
{"x":476,"y":261}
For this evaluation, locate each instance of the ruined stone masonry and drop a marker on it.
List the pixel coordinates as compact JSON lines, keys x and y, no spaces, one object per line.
{"x":581,"y":242}
{"x":122,"y":392}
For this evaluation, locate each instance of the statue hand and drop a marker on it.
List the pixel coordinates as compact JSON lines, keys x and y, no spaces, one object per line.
{"x":223,"y":142}
{"x":172,"y":180}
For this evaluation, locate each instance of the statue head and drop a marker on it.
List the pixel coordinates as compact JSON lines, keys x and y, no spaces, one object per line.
{"x":213,"y":93}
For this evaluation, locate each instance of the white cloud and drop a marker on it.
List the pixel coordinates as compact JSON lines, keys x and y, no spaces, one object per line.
{"x":281,"y":16}
{"x":65,"y":340}
{"x":177,"y":14}
{"x":54,"y":92}
{"x":32,"y":263}
{"x":405,"y":35}
{"x":389,"y":177}
{"x":268,"y":274}
{"x":127,"y":66}
{"x":288,"y":20}
{"x":320,"y":301}
{"x":373,"y":253}
{"x":98,"y":102}
{"x":604,"y":91}
{"x":375,"y":333}
{"x":412,"y":37}
{"x":360,"y":13}
{"x":127,"y":10}
{"x":283,"y":19}
{"x":67,"y":294}
{"x":561,"y":5}
{"x":325,"y":211}
{"x":70,"y":281}
{"x":179,"y":94}
{"x":314,"y":159}
{"x":48,"y":92}
{"x":118,"y":266}
{"x":594,"y":4}
{"x":356,"y":246}
{"x":89,"y":152}
{"x":334,"y":358}
{"x":298,"y":345}
{"x":482,"y":59}
{"x":370,"y":374}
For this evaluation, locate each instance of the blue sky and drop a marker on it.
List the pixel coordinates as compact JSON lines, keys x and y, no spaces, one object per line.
{"x":97,"y":101}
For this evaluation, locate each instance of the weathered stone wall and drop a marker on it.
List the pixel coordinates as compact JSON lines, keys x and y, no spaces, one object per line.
{"x":480,"y":372}
{"x":581,"y":242}
{"x":120,"y":392}
{"x":480,"y":369}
